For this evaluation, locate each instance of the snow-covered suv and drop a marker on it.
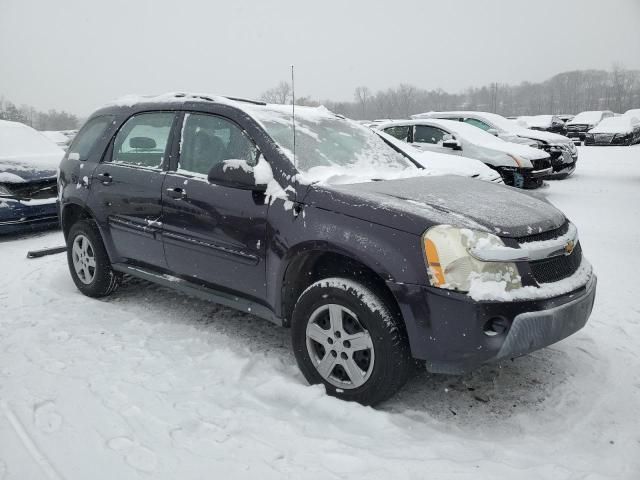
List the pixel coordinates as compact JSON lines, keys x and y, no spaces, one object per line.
{"x":371,"y":261}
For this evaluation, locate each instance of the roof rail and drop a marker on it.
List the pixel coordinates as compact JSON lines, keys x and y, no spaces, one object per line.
{"x":247,"y":100}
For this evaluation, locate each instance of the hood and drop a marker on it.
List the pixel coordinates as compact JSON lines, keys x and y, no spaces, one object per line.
{"x":27,"y":168}
{"x":543,"y":136}
{"x":415,"y":204}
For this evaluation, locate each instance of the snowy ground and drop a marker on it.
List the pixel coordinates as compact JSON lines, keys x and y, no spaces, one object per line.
{"x":153,"y":384}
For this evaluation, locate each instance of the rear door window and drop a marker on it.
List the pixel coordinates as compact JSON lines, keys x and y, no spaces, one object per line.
{"x":142,"y":140}
{"x":88,"y":136}
{"x":401,"y":132}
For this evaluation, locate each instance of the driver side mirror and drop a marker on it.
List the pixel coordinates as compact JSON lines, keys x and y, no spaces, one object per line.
{"x":452,"y":144}
{"x":235,"y":174}
{"x":493,"y":132}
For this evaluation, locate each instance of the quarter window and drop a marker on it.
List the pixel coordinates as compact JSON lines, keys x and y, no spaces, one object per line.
{"x":208,"y":140}
{"x":428,"y":134}
{"x":142,"y":140}
{"x":401,"y":132}
{"x":88,"y":136}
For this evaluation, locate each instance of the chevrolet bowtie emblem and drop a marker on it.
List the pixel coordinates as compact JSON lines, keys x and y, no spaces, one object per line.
{"x":568,"y":248}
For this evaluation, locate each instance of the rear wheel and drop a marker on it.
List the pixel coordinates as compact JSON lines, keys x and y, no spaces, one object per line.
{"x":88,"y":261}
{"x":345,"y":337}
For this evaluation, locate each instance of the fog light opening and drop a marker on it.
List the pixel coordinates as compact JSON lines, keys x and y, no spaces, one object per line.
{"x":495,"y":326}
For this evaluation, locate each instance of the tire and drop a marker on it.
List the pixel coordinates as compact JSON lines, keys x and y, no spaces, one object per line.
{"x":94,"y":276}
{"x":369,"y":338}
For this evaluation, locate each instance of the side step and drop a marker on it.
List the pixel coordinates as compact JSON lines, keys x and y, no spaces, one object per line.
{"x":200,"y":291}
{"x":45,"y":251}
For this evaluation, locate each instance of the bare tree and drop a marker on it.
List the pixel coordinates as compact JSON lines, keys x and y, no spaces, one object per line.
{"x":278,"y":94}
{"x":363,"y":95}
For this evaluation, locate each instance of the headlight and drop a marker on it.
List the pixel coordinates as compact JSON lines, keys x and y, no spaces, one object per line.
{"x":4,"y":191}
{"x":451,"y":266}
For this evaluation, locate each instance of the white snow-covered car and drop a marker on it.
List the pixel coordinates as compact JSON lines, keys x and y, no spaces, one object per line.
{"x":563,"y":152}
{"x":545,"y":123}
{"x":442,"y":164}
{"x":62,"y":138}
{"x":519,"y":165}
{"x":584,"y":121}
{"x":620,"y":130}
{"x":634,"y":112}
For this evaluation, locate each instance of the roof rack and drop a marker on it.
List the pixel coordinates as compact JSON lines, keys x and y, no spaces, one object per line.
{"x":247,"y":100}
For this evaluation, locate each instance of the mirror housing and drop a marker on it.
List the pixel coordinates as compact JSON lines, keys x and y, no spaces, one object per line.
{"x":235,"y":174}
{"x":452,"y":144}
{"x":493,"y":132}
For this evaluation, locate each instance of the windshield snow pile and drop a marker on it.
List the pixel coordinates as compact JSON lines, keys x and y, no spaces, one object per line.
{"x":24,"y":149}
{"x":588,"y":118}
{"x":622,"y":124}
{"x":329,"y":148}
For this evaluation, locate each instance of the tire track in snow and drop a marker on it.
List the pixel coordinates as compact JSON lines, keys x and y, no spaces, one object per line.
{"x":35,"y":453}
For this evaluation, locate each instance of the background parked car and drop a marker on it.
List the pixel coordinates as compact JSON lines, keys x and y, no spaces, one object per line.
{"x":28,"y":188}
{"x":519,"y":165}
{"x":443,"y":164}
{"x":57,"y":137}
{"x":563,"y":152}
{"x":620,"y":130}
{"x":544,"y":123}
{"x":585,"y":121}
{"x":634,"y":112}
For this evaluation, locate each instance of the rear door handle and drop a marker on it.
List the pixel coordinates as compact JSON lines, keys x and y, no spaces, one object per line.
{"x":105,"y":178}
{"x":177,"y":193}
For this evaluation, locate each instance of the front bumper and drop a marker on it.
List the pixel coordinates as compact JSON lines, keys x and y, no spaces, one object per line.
{"x":446,"y":329}
{"x":18,"y":216}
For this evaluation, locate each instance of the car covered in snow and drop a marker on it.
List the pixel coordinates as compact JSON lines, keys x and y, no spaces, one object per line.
{"x":579,"y":125}
{"x":544,"y":123}
{"x":519,"y":165}
{"x":441,"y":164}
{"x":562,"y":150}
{"x":317,"y":224}
{"x":619,"y":130}
{"x":28,"y":188}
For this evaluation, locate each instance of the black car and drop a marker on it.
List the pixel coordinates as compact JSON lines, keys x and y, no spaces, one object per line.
{"x":579,"y":125}
{"x":545,"y":123}
{"x":339,"y":237}
{"x":619,"y":130}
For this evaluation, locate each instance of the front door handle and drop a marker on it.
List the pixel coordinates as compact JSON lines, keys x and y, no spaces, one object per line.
{"x":177,"y":193}
{"x":105,"y":178}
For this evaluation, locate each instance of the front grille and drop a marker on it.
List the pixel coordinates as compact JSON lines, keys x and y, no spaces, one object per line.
{"x":577,"y":128}
{"x":549,"y":235}
{"x":541,"y":164}
{"x":37,"y":189}
{"x":557,"y":268}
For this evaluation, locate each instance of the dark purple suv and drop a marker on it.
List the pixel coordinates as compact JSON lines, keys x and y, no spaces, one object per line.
{"x":370,"y":260}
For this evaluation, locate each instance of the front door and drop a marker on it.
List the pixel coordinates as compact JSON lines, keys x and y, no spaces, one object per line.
{"x":213,"y":233}
{"x":430,"y":138}
{"x":128,"y":183}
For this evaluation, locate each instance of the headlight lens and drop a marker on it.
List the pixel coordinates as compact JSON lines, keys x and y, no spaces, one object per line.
{"x":450,"y":265}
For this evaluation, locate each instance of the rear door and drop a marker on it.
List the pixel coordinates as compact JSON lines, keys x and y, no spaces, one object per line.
{"x":213,"y":233}
{"x":127,"y":187}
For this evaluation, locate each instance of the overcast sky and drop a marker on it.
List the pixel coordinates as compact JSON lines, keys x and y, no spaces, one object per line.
{"x":77,"y":54}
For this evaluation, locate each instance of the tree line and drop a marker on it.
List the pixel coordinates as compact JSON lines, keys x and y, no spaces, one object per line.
{"x":50,"y":120}
{"x":569,"y":93}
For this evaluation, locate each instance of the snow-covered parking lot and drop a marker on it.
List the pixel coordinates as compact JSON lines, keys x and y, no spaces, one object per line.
{"x":153,"y":384}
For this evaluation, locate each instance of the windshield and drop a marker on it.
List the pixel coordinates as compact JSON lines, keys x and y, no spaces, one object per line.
{"x":330,"y":148}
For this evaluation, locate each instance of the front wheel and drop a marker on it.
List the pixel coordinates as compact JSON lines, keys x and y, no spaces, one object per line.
{"x":345,"y":337}
{"x":89,"y":263}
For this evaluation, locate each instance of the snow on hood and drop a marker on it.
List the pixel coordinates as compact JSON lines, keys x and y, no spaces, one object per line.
{"x":586,"y":118}
{"x":415,"y":204}
{"x":26,"y":154}
{"x":621,"y":124}
{"x":539,"y":121}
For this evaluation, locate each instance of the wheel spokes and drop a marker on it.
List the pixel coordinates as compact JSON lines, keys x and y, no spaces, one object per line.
{"x":318,"y":334}
{"x":355,"y":374}
{"x":360,"y":341}
{"x":335,"y":318}
{"x":326,"y":365}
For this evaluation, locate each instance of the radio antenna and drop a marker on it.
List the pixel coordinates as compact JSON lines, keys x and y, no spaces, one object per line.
{"x":293,"y":115}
